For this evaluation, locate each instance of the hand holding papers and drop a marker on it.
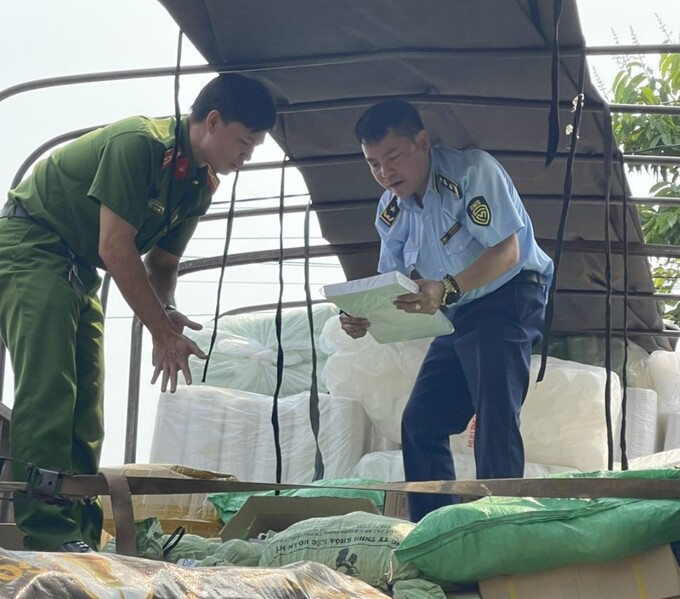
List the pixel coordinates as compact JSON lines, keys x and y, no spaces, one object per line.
{"x":371,"y":298}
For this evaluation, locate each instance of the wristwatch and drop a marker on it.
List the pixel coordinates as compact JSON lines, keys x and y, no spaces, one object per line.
{"x":452,"y":292}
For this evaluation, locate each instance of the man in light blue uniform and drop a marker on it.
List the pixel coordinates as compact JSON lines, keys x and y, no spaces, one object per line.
{"x":453,"y":221}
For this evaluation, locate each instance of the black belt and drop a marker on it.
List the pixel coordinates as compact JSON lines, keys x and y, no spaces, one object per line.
{"x":529,"y":276}
{"x":14,"y":211}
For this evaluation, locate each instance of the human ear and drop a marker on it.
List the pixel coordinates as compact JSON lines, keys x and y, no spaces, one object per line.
{"x":422,"y":140}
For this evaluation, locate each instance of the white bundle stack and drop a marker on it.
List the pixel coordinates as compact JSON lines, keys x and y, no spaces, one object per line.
{"x":664,"y":372}
{"x":641,"y":422}
{"x":388,"y":466}
{"x":672,"y":433}
{"x":230,"y":431}
{"x":379,"y":376}
{"x":563,"y":417}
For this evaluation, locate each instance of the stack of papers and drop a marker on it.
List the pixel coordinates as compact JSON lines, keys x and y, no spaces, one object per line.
{"x":371,"y":298}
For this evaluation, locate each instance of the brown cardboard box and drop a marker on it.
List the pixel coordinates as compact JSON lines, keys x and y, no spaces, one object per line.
{"x":653,"y":574}
{"x":260,"y":514}
{"x":11,"y":538}
{"x":190,"y":510}
{"x":396,"y":505}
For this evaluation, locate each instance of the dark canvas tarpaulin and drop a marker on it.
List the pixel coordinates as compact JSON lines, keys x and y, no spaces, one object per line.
{"x":480,"y":73}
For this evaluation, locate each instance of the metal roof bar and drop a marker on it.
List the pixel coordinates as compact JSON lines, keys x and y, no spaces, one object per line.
{"x":340,"y":58}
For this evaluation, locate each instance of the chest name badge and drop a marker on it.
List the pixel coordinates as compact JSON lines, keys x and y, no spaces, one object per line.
{"x":450,"y":233}
{"x":156,"y":206}
{"x":451,"y":185}
{"x":479,"y":212}
{"x":390,"y":213}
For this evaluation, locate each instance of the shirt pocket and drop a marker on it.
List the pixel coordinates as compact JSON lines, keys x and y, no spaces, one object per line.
{"x":460,"y":243}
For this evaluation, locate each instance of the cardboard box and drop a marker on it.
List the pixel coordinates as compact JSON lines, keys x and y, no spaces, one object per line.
{"x":650,"y":575}
{"x":11,"y":538}
{"x":190,"y":510}
{"x":260,"y":514}
{"x":396,"y":505}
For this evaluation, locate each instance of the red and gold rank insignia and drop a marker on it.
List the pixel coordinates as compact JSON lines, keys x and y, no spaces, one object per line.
{"x":391,"y":212}
{"x":181,"y":163}
{"x":479,"y":212}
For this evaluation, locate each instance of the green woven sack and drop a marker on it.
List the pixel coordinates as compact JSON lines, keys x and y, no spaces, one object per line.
{"x":357,"y":544}
{"x":508,"y":535}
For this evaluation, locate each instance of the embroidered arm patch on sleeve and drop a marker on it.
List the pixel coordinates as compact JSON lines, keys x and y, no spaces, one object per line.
{"x":479,"y":211}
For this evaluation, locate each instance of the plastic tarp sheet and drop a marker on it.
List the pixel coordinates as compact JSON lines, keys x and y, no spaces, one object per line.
{"x":36,"y":575}
{"x":226,"y":430}
{"x":480,"y":73}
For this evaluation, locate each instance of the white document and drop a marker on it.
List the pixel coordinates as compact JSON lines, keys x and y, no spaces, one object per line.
{"x":371,"y":298}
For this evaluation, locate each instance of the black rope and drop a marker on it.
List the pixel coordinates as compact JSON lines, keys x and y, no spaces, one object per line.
{"x":223,"y":266}
{"x":566,"y":198}
{"x":608,"y":296}
{"x":314,"y":416}
{"x":554,"y":114}
{"x":278,"y":322}
{"x":624,"y":372}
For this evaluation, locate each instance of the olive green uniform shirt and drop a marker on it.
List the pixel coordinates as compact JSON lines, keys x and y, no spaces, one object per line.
{"x":127,"y":167}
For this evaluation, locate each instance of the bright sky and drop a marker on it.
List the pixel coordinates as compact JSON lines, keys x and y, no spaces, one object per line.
{"x":44,"y":38}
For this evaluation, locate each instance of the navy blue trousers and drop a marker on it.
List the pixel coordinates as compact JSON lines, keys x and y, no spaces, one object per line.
{"x":482,"y":368}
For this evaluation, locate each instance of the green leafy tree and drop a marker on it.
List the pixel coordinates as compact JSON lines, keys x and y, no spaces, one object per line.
{"x":639,"y":83}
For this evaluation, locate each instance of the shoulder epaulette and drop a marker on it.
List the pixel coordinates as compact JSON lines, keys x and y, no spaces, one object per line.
{"x":391,"y":212}
{"x":450,"y":184}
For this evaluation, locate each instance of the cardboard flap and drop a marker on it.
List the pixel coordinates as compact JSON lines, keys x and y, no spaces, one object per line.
{"x":260,"y":514}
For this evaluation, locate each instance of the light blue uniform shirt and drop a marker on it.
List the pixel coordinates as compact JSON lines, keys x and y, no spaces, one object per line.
{"x":470,"y":204}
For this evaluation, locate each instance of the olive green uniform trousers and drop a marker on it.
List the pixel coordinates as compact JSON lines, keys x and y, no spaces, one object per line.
{"x":54,"y":335}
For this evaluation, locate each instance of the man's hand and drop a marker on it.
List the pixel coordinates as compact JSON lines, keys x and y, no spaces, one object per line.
{"x":354,"y":327}
{"x":180,"y":321}
{"x":426,"y":301}
{"x":171,"y":353}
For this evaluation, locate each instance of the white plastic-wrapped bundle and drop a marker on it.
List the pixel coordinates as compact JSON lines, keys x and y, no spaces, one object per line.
{"x":563,"y":417}
{"x":664,"y":370}
{"x":379,"y":376}
{"x":246,"y":350}
{"x":641,"y":422}
{"x":231,"y":430}
{"x":189,"y":427}
{"x":672,"y":432}
{"x":663,"y":459}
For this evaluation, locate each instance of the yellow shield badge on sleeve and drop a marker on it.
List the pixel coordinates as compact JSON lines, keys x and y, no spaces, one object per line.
{"x":479,"y":212}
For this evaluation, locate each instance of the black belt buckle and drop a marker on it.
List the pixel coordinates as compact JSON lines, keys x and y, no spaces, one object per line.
{"x":73,"y":277}
{"x":529,"y":276}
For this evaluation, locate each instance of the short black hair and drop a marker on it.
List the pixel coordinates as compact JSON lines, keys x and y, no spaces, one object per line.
{"x":236,"y":98}
{"x":397,"y":115}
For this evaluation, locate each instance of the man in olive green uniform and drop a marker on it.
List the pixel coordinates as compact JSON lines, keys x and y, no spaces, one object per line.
{"x":103,"y":201}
